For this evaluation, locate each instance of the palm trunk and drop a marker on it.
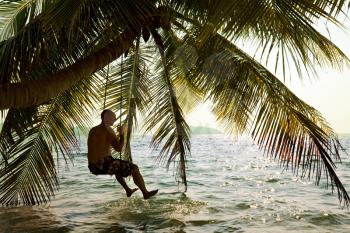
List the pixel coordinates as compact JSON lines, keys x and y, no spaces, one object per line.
{"x":31,"y":93}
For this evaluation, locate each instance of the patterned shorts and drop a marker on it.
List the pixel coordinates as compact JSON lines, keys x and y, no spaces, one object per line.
{"x":111,"y":166}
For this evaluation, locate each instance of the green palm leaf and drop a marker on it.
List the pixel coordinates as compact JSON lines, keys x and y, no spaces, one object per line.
{"x":180,"y":60}
{"x":127,"y":90}
{"x":281,"y":28}
{"x":137,"y":96}
{"x":167,"y":117}
{"x":247,"y":96}
{"x":30,"y":175}
{"x":13,"y":128}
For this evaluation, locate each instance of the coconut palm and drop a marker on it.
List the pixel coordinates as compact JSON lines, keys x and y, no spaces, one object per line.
{"x":62,"y":60}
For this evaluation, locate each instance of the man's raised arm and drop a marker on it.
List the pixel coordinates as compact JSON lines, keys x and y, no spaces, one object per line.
{"x":116,"y":142}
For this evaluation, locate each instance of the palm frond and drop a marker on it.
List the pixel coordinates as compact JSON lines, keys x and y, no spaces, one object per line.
{"x":188,"y":97}
{"x":246,"y":95}
{"x":167,"y":117}
{"x":30,"y":175}
{"x":235,"y":15}
{"x":283,"y":29}
{"x":13,"y":128}
{"x":20,"y":13}
{"x":131,"y":91}
{"x":127,"y":89}
{"x":37,"y":44}
{"x":180,"y":60}
{"x":7,"y":10}
{"x":137,"y":97}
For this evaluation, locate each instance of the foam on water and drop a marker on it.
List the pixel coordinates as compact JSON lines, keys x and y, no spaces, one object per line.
{"x":232,"y":188}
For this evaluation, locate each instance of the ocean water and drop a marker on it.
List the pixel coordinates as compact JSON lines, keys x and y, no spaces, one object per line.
{"x":232,"y":188}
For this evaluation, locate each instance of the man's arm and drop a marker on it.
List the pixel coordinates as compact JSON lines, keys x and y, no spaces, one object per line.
{"x":116,"y":142}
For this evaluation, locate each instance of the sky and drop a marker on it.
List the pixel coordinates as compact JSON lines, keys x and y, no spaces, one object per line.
{"x":329,"y":92}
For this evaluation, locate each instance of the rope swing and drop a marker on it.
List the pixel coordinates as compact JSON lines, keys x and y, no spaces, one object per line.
{"x":121,"y":98}
{"x":107,"y":76}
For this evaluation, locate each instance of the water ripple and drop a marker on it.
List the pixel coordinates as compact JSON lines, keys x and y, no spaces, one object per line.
{"x":232,"y":188}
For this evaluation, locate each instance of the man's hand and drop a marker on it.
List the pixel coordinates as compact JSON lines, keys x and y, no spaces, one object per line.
{"x":120,"y":129}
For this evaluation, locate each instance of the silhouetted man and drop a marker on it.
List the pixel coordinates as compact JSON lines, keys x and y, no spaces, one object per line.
{"x":100,"y":141}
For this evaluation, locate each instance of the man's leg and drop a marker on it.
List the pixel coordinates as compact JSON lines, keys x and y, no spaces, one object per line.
{"x":128,"y":190}
{"x":138,"y":180}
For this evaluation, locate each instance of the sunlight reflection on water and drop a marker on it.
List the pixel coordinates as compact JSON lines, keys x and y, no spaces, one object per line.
{"x":232,"y":188}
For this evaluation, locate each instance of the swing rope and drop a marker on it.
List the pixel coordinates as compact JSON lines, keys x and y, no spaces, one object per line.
{"x":104,"y":102}
{"x":121,"y":98}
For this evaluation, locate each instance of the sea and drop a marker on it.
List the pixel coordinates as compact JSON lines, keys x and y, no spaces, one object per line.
{"x":232,"y":187}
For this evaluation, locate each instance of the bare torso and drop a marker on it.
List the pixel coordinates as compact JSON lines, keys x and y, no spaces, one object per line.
{"x":101,"y":139}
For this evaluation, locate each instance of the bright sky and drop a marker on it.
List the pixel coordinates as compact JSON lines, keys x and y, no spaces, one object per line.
{"x":330,"y":93}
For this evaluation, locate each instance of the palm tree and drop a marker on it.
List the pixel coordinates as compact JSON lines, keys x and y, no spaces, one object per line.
{"x":158,"y":60}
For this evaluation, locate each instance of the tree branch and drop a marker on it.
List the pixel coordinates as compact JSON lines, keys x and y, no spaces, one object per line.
{"x":25,"y":94}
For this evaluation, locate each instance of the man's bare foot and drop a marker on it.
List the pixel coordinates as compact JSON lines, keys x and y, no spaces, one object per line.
{"x":150,"y":194}
{"x":129,"y":193}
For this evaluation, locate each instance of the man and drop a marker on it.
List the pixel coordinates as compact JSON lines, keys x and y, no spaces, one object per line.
{"x":101,"y":139}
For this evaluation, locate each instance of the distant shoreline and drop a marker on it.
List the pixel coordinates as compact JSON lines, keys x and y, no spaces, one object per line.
{"x":194,"y":130}
{"x":204,"y":130}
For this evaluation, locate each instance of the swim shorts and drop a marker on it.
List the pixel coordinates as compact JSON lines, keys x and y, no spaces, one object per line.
{"x":111,"y":166}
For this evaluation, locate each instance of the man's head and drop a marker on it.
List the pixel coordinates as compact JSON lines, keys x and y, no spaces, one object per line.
{"x":108,"y":117}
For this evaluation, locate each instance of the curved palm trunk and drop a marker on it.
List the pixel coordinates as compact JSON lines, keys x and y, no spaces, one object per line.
{"x":17,"y":95}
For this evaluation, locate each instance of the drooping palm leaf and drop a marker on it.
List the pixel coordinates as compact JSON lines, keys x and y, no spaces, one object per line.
{"x":30,"y":176}
{"x":13,"y":128}
{"x":281,"y":28}
{"x":246,"y":95}
{"x":180,"y":60}
{"x":138,"y":96}
{"x":127,"y":92}
{"x":167,"y":118}
{"x":7,"y":10}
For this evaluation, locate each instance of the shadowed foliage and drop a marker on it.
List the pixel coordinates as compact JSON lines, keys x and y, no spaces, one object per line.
{"x":156,"y":61}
